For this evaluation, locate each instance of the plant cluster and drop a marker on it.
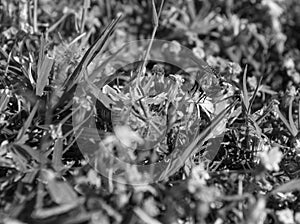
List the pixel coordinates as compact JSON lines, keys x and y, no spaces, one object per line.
{"x":227,"y":140}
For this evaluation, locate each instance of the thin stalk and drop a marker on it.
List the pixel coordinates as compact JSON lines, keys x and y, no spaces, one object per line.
{"x":35,"y":26}
{"x":86,"y":5}
{"x":145,"y":59}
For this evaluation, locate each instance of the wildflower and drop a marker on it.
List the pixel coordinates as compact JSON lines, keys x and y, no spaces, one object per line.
{"x":289,"y":63}
{"x":175,"y":47}
{"x":84,"y":102}
{"x":198,"y":178}
{"x":199,"y":52}
{"x":286,"y":216}
{"x":234,"y":68}
{"x":271,"y":159}
{"x":127,"y":136}
{"x":55,"y":132}
{"x":150,"y":207}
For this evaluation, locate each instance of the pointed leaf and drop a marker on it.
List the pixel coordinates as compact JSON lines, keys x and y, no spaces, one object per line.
{"x":43,"y":74}
{"x":178,"y":159}
{"x":254,"y":95}
{"x":245,"y":91}
{"x":60,"y":191}
{"x":291,"y":120}
{"x":26,"y":124}
{"x":57,"y":154}
{"x":284,"y":120}
{"x":97,"y":47}
{"x":154,"y":14}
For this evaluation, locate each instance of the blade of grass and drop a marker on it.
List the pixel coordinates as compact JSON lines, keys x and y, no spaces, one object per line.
{"x":35,"y":26}
{"x":284,"y":120}
{"x":99,"y":70}
{"x":26,"y":124}
{"x":45,"y":64}
{"x":56,"y":24}
{"x":145,"y":217}
{"x":266,"y":112}
{"x":45,"y":213}
{"x":3,"y":102}
{"x":86,"y":6}
{"x":291,"y":120}
{"x":58,"y":151}
{"x":91,"y":53}
{"x":245,"y":91}
{"x":108,"y":8}
{"x":178,"y":159}
{"x":254,"y":95}
{"x":299,"y":114}
{"x":34,"y":154}
{"x":191,"y":8}
{"x":155,"y":17}
{"x":97,"y":92}
{"x":60,"y":191}
{"x":97,"y":47}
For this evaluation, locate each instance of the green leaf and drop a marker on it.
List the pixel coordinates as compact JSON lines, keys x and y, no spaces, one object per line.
{"x":178,"y":159}
{"x":291,"y":120}
{"x":97,"y":47}
{"x":254,"y":95}
{"x":57,"y":154}
{"x":3,"y":102}
{"x":21,"y":134}
{"x":44,"y":67}
{"x":284,"y":120}
{"x":43,"y":74}
{"x":245,"y":91}
{"x":60,"y":191}
{"x":53,"y":211}
{"x":34,"y":154}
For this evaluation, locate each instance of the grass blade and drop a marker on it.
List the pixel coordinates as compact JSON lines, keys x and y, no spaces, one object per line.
{"x":43,"y":74}
{"x":26,"y":124}
{"x":86,"y":6}
{"x":284,"y":120}
{"x":245,"y":91}
{"x":254,"y":95}
{"x":3,"y":102}
{"x":291,"y":120}
{"x":35,"y":15}
{"x":154,"y":14}
{"x":97,"y":47}
{"x":91,"y":53}
{"x":299,"y":114}
{"x":58,"y":152}
{"x":178,"y":159}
